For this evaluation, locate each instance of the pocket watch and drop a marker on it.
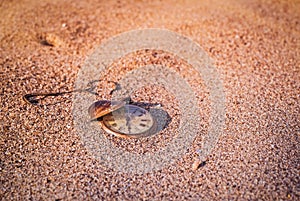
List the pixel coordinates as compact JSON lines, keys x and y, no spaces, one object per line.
{"x":123,"y":120}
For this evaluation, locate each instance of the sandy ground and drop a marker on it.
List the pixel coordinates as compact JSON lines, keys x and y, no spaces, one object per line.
{"x":255,"y":47}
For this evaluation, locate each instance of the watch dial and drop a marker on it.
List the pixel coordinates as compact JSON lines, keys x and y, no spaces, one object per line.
{"x":130,"y":121}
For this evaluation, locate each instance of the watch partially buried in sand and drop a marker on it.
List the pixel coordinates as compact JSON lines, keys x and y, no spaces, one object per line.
{"x":116,"y":117}
{"x":123,"y":120}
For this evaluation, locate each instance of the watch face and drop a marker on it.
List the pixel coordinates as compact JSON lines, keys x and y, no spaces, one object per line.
{"x":129,"y":121}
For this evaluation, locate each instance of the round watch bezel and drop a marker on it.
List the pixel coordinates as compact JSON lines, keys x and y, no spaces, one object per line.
{"x":146,"y":133}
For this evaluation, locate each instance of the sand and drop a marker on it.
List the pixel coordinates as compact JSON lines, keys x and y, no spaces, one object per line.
{"x":255,"y":48}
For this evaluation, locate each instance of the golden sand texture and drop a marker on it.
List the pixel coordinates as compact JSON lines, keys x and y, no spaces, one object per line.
{"x":255,"y":47}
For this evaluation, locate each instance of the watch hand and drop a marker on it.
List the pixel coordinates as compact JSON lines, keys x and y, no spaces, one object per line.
{"x":128,"y":123}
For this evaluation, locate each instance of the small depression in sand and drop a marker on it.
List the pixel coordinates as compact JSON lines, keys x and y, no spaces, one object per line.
{"x":167,"y":115}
